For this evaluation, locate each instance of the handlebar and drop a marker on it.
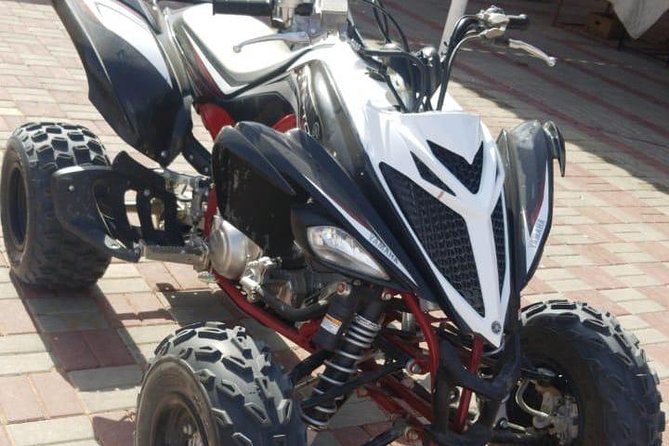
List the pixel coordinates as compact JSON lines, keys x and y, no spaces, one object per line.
{"x":519,"y":22}
{"x":258,"y":8}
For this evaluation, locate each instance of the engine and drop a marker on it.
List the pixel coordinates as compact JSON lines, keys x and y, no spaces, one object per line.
{"x":291,"y":281}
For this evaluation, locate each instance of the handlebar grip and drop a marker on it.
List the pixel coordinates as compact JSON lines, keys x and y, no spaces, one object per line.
{"x":260,"y":8}
{"x":521,"y":22}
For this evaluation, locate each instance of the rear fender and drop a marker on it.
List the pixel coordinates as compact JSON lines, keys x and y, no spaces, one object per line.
{"x":528,"y":152}
{"x":297,"y":169}
{"x":131,"y":80}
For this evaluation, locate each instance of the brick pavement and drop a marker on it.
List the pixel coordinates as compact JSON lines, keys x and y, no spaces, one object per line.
{"x":70,"y":363}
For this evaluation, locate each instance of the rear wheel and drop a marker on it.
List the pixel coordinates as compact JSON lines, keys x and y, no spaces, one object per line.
{"x":40,"y":251}
{"x":214,"y":386}
{"x":604,"y":391}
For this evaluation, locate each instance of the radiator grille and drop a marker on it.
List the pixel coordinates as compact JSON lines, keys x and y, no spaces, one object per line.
{"x":430,"y":176}
{"x":468,"y":174}
{"x":500,"y":242}
{"x":442,"y":232}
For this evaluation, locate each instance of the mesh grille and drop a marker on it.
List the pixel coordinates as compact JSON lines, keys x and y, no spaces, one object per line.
{"x":430,"y":176}
{"x":498,"y":231}
{"x":442,"y":232}
{"x":468,"y":174}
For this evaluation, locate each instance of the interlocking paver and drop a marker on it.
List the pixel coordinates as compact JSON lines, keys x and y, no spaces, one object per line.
{"x":18,"y":400}
{"x":25,"y":363}
{"x":109,"y":400}
{"x":49,"y":432}
{"x":114,"y":428}
{"x":71,"y":351}
{"x":56,"y":395}
{"x":21,"y":343}
{"x":4,"y":441}
{"x":108,"y":348}
{"x":14,"y":318}
{"x":106,"y":378}
{"x":67,"y":322}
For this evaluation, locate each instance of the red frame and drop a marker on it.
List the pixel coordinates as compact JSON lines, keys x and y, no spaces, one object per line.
{"x":214,"y":119}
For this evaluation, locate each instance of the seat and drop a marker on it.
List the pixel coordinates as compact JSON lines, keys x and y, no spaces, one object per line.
{"x":215,"y":35}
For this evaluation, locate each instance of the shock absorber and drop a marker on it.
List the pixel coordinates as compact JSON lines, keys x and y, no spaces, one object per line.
{"x":352,"y":348}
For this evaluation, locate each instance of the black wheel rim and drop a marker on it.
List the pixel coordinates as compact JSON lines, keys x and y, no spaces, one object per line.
{"x":177,"y":424}
{"x":18,"y":208}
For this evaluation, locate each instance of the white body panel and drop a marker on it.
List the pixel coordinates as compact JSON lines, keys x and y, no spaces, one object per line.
{"x":390,"y":137}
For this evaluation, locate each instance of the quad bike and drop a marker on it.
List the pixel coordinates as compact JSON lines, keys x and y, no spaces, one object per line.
{"x":348,"y":203}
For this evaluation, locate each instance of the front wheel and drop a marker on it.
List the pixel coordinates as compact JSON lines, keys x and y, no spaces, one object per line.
{"x":214,"y":386}
{"x":604,"y":392}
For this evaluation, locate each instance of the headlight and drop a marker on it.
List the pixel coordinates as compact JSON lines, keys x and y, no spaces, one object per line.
{"x":336,"y":246}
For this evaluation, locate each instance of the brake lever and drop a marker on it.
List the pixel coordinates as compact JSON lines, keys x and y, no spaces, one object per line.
{"x":290,"y":38}
{"x":532,"y":51}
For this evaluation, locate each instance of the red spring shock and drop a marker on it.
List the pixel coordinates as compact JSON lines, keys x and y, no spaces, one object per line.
{"x":465,"y":399}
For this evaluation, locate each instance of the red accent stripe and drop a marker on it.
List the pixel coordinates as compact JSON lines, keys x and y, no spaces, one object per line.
{"x":214,"y":118}
{"x":430,"y":337}
{"x":286,"y":123}
{"x":261,"y":315}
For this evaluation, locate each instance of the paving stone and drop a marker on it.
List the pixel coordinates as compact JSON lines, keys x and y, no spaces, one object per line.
{"x":114,"y":428}
{"x":106,"y":378}
{"x":107,"y":348}
{"x":133,"y":285}
{"x":121,"y":270}
{"x":261,"y":333}
{"x":632,"y":322}
{"x":80,"y":443}
{"x":323,"y":439}
{"x":642,"y":306}
{"x":7,"y":290}
{"x":358,"y":411}
{"x":156,"y":275}
{"x":60,"y":430}
{"x":25,"y":363}
{"x":639,"y":281}
{"x":62,"y":305}
{"x":18,"y":401}
{"x":649,"y":336}
{"x":146,"y":335}
{"x":352,"y":435}
{"x":4,"y":440}
{"x":52,"y":323}
{"x":109,"y":400}
{"x":14,"y":318}
{"x":569,"y":285}
{"x":624,"y":294}
{"x":71,"y":351}
{"x":56,"y":394}
{"x":21,"y":343}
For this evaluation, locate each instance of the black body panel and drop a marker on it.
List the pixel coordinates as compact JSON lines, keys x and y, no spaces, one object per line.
{"x":294,"y":168}
{"x":131,"y":81}
{"x":89,"y":202}
{"x":528,"y":152}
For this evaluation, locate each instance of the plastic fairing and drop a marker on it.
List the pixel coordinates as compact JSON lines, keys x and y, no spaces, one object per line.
{"x":131,"y":81}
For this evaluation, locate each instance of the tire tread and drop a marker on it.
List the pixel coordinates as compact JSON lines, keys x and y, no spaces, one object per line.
{"x":58,"y":258}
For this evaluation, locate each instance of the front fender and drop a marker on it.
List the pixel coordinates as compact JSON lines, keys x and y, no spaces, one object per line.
{"x":261,"y":174}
